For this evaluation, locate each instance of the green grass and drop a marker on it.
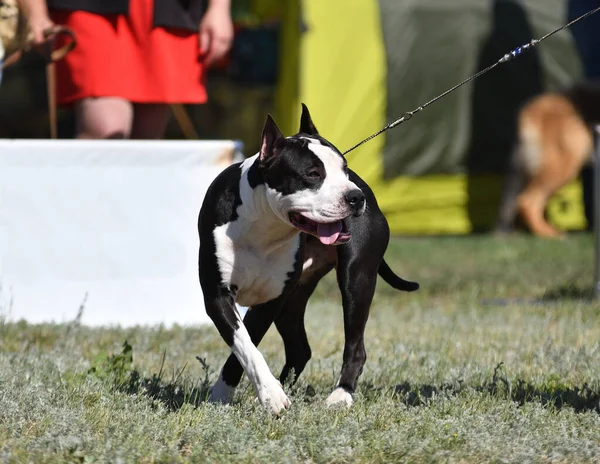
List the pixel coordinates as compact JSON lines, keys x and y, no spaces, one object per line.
{"x":495,"y":359}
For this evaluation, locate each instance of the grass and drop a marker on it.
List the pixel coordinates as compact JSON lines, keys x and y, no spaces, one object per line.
{"x":495,"y":359}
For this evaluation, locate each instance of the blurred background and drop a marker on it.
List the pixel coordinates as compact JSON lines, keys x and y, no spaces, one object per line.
{"x":359,"y":64}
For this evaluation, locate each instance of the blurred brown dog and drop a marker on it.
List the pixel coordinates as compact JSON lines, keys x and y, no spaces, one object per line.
{"x":555,"y":141}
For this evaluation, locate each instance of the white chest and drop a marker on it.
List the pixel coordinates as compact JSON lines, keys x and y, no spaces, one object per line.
{"x":259,"y":274}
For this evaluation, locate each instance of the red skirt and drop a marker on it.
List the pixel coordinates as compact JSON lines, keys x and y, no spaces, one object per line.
{"x":125,"y":56}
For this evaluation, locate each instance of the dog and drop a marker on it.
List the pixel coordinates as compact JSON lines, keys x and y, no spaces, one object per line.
{"x":554,"y":142}
{"x":270,"y":228}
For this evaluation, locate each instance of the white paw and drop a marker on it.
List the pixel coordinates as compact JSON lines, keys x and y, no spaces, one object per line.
{"x":221,"y":392}
{"x":339,"y":395}
{"x":272,"y":396}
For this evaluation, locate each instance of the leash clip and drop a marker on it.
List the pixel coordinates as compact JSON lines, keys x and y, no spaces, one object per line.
{"x":518,"y":51}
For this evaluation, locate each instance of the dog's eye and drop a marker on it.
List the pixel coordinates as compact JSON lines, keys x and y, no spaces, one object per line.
{"x":313,"y":173}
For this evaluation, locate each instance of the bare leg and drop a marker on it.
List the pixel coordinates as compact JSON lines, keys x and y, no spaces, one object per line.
{"x":103,"y":118}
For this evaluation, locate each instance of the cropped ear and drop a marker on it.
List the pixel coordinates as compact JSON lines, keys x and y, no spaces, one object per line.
{"x":270,"y":135}
{"x":306,"y":124}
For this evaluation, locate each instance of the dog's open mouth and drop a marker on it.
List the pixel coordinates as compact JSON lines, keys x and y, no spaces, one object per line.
{"x":330,"y":233}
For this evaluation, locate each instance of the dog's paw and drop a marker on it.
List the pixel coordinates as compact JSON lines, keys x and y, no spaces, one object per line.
{"x":339,"y":396}
{"x":221,"y":393}
{"x":273,"y":397}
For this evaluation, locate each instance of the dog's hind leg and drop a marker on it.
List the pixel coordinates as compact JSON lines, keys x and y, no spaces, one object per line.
{"x":561,"y":168}
{"x":318,"y":261}
{"x":532,"y":205}
{"x":563,"y":149}
{"x":290,"y":324}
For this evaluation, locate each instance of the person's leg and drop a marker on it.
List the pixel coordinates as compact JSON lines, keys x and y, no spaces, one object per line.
{"x":103,"y":118}
{"x":150,"y":120}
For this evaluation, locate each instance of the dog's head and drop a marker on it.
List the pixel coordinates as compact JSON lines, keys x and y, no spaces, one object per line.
{"x":307,"y":181}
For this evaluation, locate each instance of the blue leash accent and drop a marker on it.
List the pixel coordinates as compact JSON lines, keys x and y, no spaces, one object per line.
{"x":506,"y":58}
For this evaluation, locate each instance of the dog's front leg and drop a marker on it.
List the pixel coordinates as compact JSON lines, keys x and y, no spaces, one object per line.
{"x":357,"y":281}
{"x":242,"y":337}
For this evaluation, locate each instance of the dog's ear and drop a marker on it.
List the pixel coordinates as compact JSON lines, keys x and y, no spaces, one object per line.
{"x":306,"y":124}
{"x":270,"y":135}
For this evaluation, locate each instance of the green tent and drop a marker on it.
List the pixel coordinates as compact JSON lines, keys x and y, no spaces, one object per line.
{"x":360,"y":64}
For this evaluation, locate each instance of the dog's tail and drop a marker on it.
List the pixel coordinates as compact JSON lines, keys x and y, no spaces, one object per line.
{"x":392,"y":279}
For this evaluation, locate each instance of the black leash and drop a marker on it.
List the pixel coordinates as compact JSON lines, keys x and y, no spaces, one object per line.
{"x":509,"y":56}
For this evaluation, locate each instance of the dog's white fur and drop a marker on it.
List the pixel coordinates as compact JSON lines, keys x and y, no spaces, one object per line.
{"x":269,"y":390}
{"x":339,"y":396}
{"x":255,"y":254}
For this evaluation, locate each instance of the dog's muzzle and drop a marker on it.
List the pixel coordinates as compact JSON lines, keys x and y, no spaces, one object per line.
{"x":328,"y":233}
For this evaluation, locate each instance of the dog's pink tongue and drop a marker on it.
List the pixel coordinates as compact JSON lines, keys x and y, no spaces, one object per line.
{"x":329,"y":233}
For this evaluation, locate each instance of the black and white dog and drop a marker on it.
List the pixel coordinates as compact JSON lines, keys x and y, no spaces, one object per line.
{"x":270,"y":228}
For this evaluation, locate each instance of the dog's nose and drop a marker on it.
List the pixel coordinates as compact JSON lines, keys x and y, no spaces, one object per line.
{"x":356,"y":199}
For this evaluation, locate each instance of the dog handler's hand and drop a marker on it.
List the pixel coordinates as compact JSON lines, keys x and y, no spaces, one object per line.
{"x":38,"y":19}
{"x":216,"y":31}
{"x":37,"y":27}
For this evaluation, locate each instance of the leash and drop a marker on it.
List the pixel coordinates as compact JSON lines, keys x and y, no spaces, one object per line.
{"x":505,"y":59}
{"x":51,"y":56}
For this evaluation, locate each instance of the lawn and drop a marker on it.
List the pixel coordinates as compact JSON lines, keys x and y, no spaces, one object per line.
{"x":496,"y":358}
